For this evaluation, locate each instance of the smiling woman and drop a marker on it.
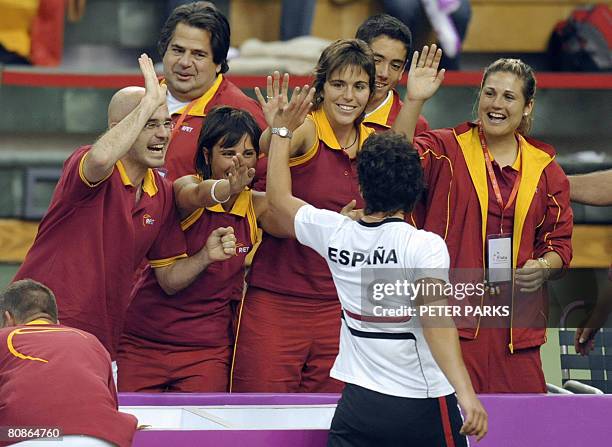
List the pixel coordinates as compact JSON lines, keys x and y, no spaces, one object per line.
{"x":495,"y":193}
{"x":290,"y":286}
{"x":184,"y":344}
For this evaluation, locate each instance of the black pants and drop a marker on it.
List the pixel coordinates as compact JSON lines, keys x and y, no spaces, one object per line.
{"x":365,"y":418}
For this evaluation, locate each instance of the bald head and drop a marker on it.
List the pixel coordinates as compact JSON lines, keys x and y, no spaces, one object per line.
{"x":123,"y":102}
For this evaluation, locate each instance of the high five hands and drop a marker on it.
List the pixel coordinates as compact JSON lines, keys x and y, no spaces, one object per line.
{"x":278,"y":109}
{"x":277,"y":95}
{"x":424,"y":79}
{"x":155,"y":93}
{"x":239,"y":175}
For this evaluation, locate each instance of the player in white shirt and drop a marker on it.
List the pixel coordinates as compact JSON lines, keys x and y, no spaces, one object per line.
{"x":396,"y":369}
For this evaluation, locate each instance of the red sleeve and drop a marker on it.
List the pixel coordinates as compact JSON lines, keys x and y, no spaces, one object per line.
{"x":170,"y":243}
{"x":431,"y":148}
{"x":73,"y":185}
{"x":555,"y":234}
{"x":47,"y":33}
{"x":421,"y":126}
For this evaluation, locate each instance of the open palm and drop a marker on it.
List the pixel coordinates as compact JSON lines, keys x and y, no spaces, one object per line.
{"x":276,"y":95}
{"x":424,"y":79}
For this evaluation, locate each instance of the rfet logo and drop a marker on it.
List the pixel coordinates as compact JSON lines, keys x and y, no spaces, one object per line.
{"x":241,"y":248}
{"x":147,"y":220}
{"x":186,"y":128}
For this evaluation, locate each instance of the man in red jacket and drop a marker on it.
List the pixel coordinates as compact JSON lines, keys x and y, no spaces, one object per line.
{"x":53,"y":377}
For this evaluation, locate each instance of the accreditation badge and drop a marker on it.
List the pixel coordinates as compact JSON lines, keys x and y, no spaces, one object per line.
{"x":499,"y":258}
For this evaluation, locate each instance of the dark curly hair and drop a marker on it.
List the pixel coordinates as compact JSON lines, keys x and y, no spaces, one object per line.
{"x":341,"y":54}
{"x":385,"y":25}
{"x":205,"y":16}
{"x":390,"y":174}
{"x":225,"y":126}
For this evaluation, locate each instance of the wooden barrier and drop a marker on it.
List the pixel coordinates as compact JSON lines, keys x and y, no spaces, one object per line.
{"x":592,"y":243}
{"x":16,"y":237}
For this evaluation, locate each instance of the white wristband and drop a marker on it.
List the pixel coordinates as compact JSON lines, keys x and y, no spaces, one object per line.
{"x":214,"y":197}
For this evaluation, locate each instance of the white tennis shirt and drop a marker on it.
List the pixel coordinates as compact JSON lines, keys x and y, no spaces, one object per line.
{"x":390,"y":357}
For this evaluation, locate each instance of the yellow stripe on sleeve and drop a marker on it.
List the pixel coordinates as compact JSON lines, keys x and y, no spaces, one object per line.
{"x":157,"y":263}
{"x":82,"y":174}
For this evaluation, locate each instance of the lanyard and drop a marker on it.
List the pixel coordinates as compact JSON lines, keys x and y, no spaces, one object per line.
{"x":178,"y":123}
{"x":498,"y":196}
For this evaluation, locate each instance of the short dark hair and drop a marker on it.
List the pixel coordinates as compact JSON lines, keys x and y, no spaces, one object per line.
{"x":390,"y":174}
{"x":26,"y":298}
{"x":385,"y":25}
{"x":341,"y":54}
{"x":201,"y":15}
{"x":226,"y":126}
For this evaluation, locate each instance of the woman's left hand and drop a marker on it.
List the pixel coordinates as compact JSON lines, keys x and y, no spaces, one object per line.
{"x":277,"y":95}
{"x":531,"y":276}
{"x":293,"y":114}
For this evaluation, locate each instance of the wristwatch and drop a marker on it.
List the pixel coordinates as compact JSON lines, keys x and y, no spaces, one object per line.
{"x":282,"y":132}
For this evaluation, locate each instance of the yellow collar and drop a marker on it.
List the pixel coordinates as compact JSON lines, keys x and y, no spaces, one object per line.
{"x":240,"y":208}
{"x":148,"y":185}
{"x":38,"y":321}
{"x":326,"y":134}
{"x":200,"y":103}
{"x":380,"y":114}
{"x":534,"y":161}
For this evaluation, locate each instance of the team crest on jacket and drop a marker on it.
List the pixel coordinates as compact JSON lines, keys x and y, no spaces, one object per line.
{"x":147,"y":220}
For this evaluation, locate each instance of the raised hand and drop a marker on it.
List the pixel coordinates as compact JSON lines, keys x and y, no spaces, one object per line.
{"x":154,"y":92}
{"x":221,"y":244}
{"x":424,"y":79}
{"x":276,"y":95}
{"x":293,"y":114}
{"x":239,"y":175}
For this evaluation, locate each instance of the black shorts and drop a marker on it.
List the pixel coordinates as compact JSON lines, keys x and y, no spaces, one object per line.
{"x":366,"y":418}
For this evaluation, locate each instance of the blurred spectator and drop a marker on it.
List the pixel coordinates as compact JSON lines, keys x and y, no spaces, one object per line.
{"x":221,"y":5}
{"x":449,"y":18}
{"x":296,"y":18}
{"x":32,"y":32}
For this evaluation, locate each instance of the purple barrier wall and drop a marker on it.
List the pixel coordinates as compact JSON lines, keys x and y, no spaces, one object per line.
{"x":514,"y":420}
